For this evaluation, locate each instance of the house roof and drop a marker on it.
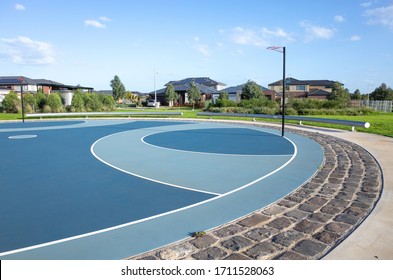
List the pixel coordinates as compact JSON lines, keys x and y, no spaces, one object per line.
{"x":289,"y":81}
{"x":185,"y":87}
{"x":293,"y":81}
{"x":325,"y":83}
{"x":319,"y":92}
{"x":16,"y":80}
{"x":237,"y":88}
{"x":198,"y":80}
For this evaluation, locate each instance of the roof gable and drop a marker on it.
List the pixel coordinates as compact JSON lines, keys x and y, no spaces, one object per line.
{"x":206,"y":81}
{"x":235,"y":89}
{"x":319,"y":92}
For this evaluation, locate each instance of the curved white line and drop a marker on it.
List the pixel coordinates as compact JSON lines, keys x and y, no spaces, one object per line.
{"x":155,"y":216}
{"x":143,"y":177}
{"x":205,"y":153}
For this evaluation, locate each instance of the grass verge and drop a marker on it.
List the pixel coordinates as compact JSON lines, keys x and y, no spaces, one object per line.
{"x":381,"y":123}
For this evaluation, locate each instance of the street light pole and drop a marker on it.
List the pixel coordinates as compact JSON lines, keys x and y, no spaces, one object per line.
{"x":283,"y":51}
{"x":21,"y":97}
{"x":155,"y":91}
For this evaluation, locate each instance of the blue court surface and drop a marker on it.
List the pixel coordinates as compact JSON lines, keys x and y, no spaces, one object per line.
{"x":109,"y":189}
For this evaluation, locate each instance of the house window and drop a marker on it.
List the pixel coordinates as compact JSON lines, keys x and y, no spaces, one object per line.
{"x":301,"y":88}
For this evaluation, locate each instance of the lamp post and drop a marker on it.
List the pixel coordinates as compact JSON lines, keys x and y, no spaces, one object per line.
{"x":21,"y":97}
{"x":281,"y":50}
{"x":155,"y":92}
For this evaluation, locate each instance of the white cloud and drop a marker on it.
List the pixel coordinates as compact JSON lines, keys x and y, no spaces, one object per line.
{"x":382,"y":16}
{"x":203,"y":49}
{"x":20,"y":7}
{"x":278,"y":33}
{"x":104,"y":18}
{"x":259,"y":38}
{"x":355,"y":38}
{"x":366,"y":4}
{"x":316,"y":32}
{"x":339,"y":19}
{"x":94,"y":23}
{"x":23,"y":50}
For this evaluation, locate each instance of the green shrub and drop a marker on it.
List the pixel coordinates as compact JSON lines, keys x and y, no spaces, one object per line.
{"x":290,"y":111}
{"x":54,"y":102}
{"x":225,"y":103}
{"x":29,"y":102}
{"x":257,"y":102}
{"x":108,"y":103}
{"x":41,"y":99}
{"x":11,"y":103}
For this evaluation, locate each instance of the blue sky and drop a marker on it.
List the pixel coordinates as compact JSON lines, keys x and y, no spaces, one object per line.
{"x":88,"y":42}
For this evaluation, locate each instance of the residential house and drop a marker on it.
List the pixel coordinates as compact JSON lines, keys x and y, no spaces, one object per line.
{"x":235,"y":93}
{"x":319,"y":89}
{"x":206,"y":86}
{"x":25,"y":84}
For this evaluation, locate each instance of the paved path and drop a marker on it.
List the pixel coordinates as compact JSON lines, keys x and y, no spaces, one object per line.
{"x":318,"y":219}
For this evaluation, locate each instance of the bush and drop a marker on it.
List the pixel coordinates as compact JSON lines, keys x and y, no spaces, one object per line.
{"x":225,"y":103}
{"x":29,"y":102}
{"x":41,"y":99}
{"x":257,"y":102}
{"x":108,"y":103}
{"x":77,"y":103}
{"x":290,"y":111}
{"x":11,"y":103}
{"x":54,"y":103}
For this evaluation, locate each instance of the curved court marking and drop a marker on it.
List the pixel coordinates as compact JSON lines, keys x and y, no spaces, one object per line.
{"x":137,"y":175}
{"x":206,"y":153}
{"x":293,"y":156}
{"x":22,"y":136}
{"x":155,"y":216}
{"x":219,"y":195}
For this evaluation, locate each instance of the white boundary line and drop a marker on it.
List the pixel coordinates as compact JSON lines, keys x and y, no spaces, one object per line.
{"x":151,"y":217}
{"x":25,"y":136}
{"x":204,"y":153}
{"x":140,"y":176}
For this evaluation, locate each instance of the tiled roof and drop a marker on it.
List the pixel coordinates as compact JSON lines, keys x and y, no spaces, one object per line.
{"x":234,"y":89}
{"x":319,"y":92}
{"x":292,"y":81}
{"x":185,"y":87}
{"x":198,"y":80}
{"x":16,"y":80}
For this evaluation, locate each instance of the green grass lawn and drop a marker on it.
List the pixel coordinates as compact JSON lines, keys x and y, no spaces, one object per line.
{"x":380,"y":123}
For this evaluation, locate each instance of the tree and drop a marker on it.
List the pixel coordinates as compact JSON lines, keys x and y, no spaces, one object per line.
{"x":339,"y":93}
{"x":170,"y":94}
{"x":29,"y":102}
{"x":383,"y":92}
{"x":54,"y":102}
{"x":251,"y":90}
{"x":118,"y":89}
{"x":194,"y":95}
{"x":41,"y":99}
{"x":223,"y":95}
{"x":108,"y":102}
{"x":77,"y":102}
{"x":132,"y":97}
{"x":356,"y":95}
{"x":11,"y":102}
